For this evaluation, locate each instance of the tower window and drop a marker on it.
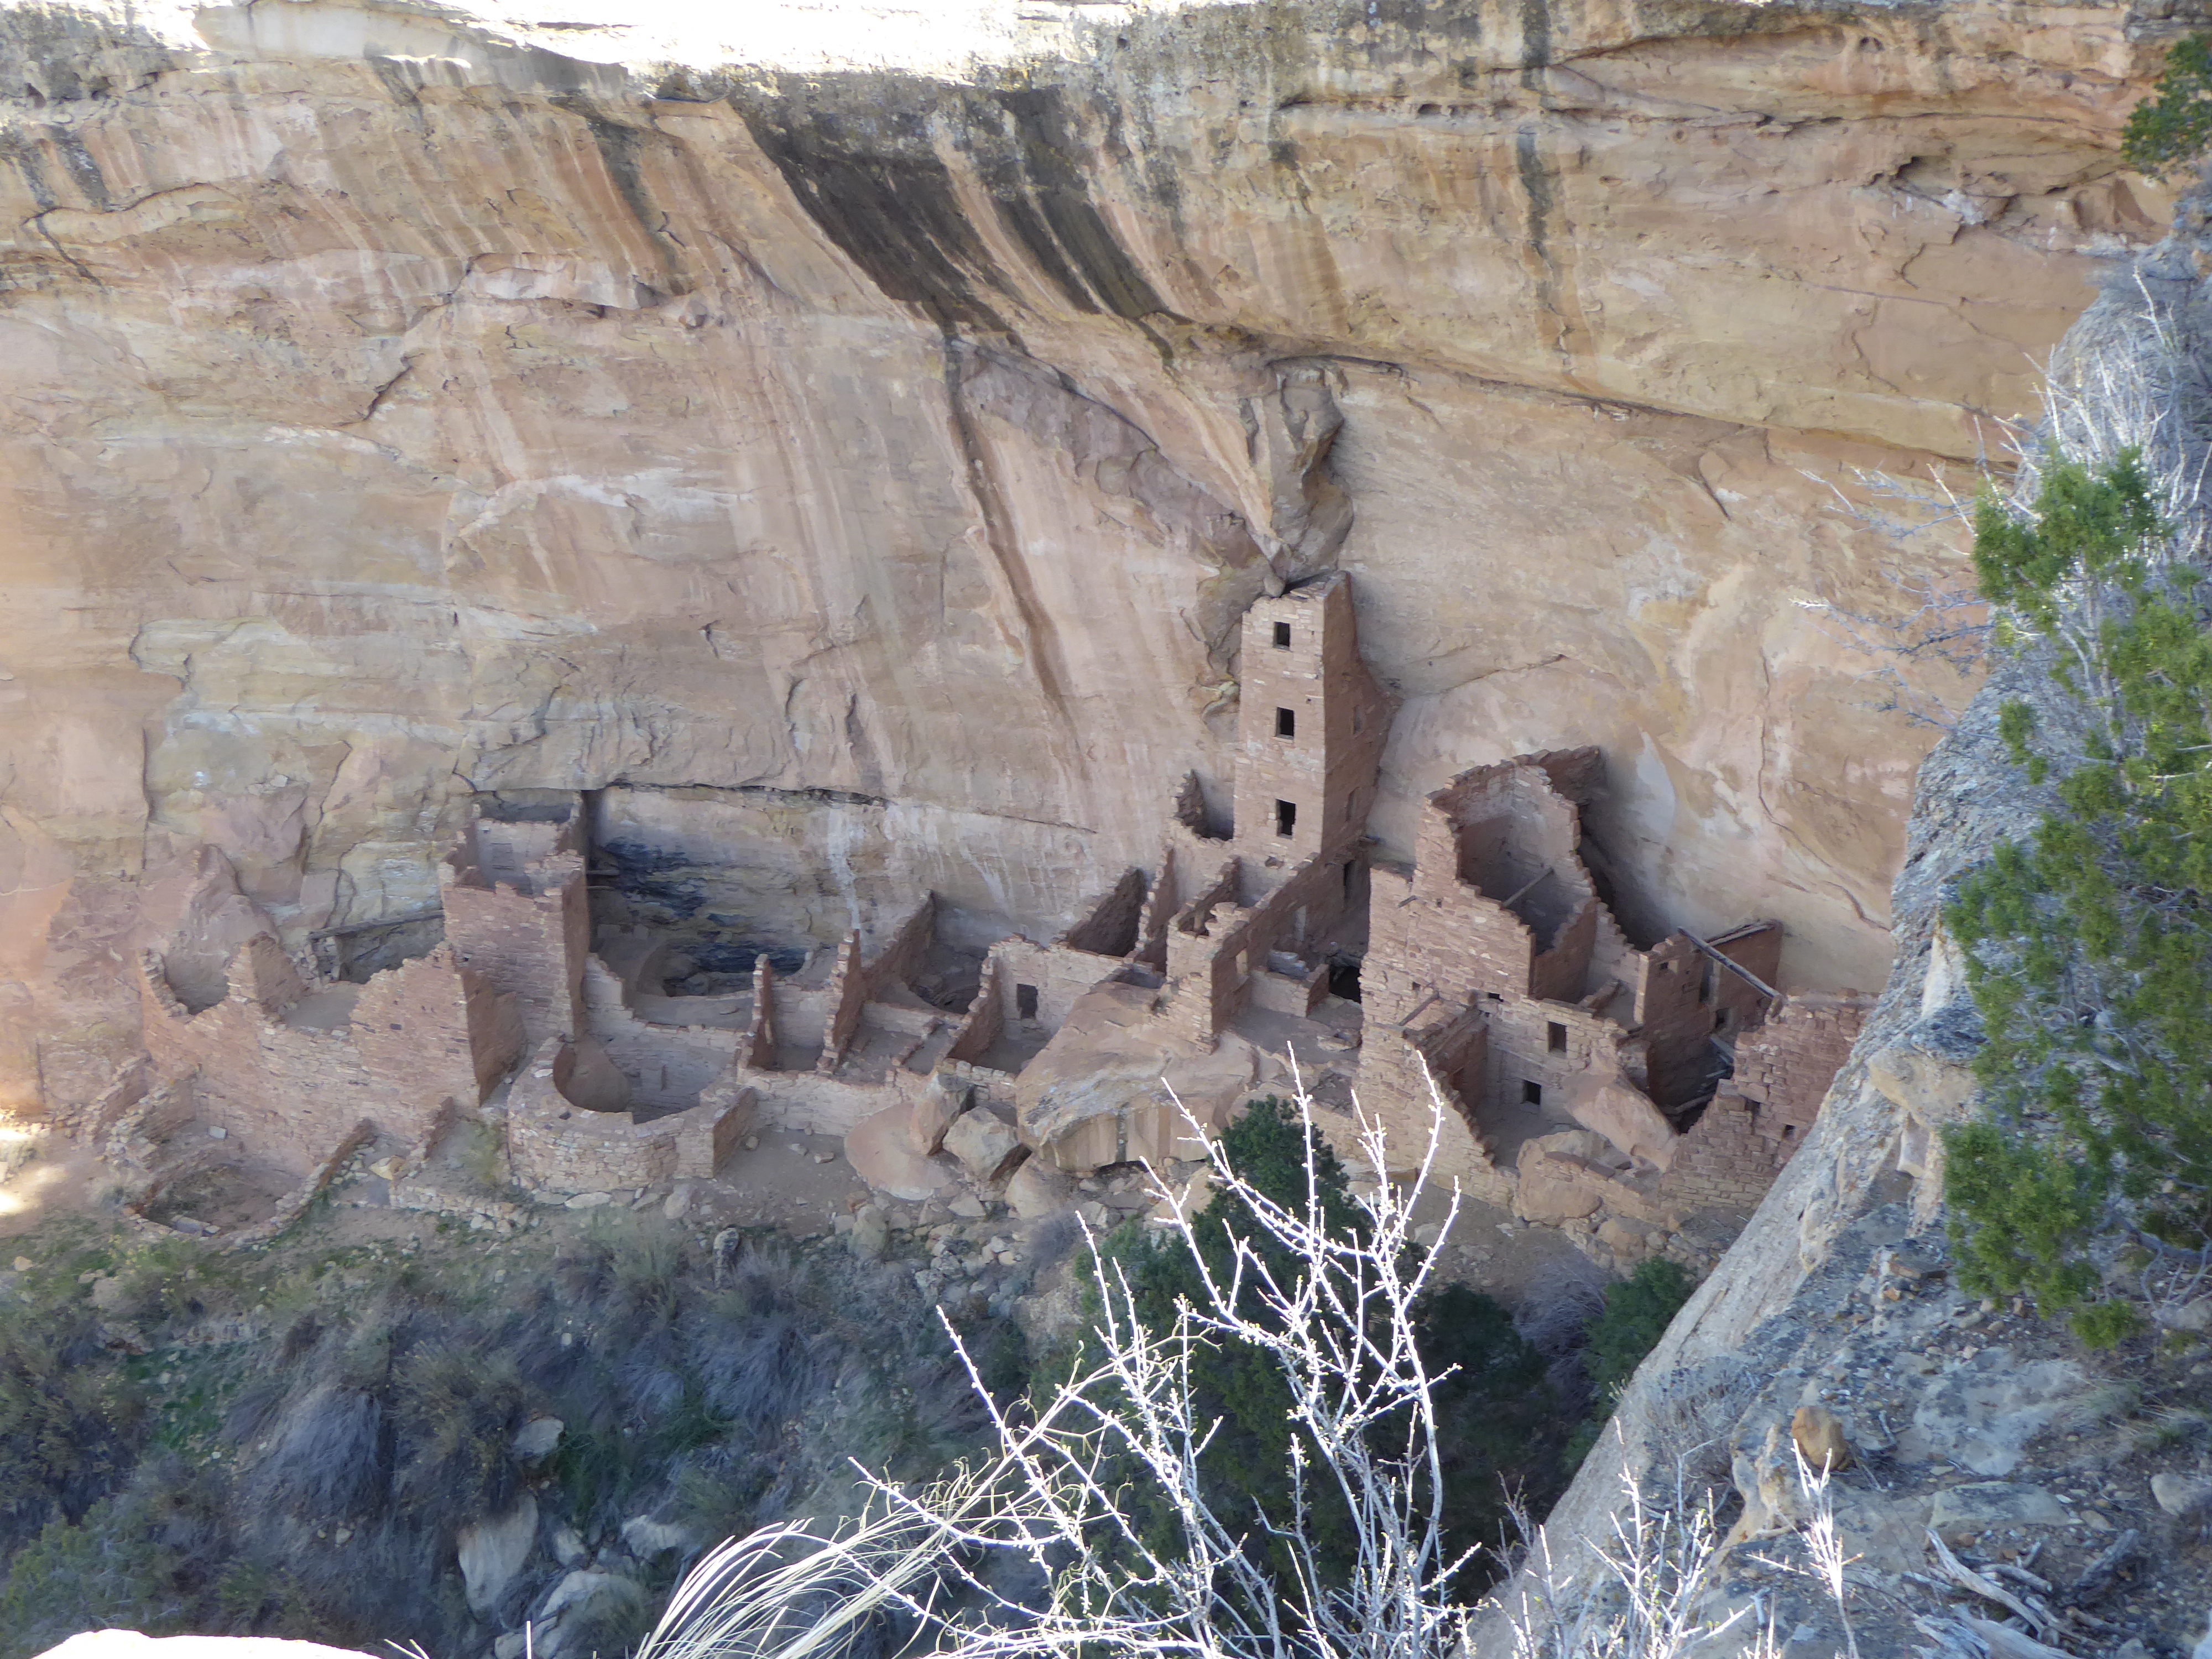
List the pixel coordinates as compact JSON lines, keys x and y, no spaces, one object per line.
{"x":1555,"y":1036}
{"x":1286,"y":818}
{"x":1532,"y":1092}
{"x":1282,"y":636}
{"x":1286,"y":722}
{"x":1025,"y":1002}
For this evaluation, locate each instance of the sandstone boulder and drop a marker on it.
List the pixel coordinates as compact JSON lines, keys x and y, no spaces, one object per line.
{"x":537,"y":1437}
{"x":1820,"y":1439}
{"x":1106,"y":1088}
{"x":647,"y":1537}
{"x":1616,"y":1108}
{"x":942,"y":1102}
{"x":1562,"y":1177}
{"x":558,"y":1623}
{"x":871,"y":1238}
{"x":492,"y":1551}
{"x":1038,"y":1189}
{"x":986,"y":1145}
{"x":2189,"y":1496}
{"x":881,"y":1150}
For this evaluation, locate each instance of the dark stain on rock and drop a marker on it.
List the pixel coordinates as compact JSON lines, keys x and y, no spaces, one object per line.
{"x":868,"y":176}
{"x":24,"y":156}
{"x":1049,"y":162}
{"x":618,"y":146}
{"x":1535,"y":39}
{"x":83,"y":171}
{"x":1536,"y":186}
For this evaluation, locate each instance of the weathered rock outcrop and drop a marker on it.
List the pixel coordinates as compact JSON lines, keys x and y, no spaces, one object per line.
{"x":854,"y":471}
{"x":1836,"y":1291}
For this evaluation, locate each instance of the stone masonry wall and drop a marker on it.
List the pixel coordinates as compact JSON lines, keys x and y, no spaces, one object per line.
{"x":1109,"y":922}
{"x":531,"y":943}
{"x":1763,"y":1115}
{"x":287,"y":1094}
{"x":559,"y":1146}
{"x":668,"y":1066}
{"x":435,"y":1030}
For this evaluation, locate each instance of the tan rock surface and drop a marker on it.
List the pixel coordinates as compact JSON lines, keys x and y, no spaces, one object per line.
{"x":862,"y":474}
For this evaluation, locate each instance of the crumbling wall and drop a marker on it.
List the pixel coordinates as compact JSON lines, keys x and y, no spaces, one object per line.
{"x":527,"y":939}
{"x":1760,"y":1116}
{"x":1219,"y":947}
{"x":668,"y":1066}
{"x":436,"y":1028}
{"x":901,"y":958}
{"x":289,"y":1092}
{"x":759,"y":1046}
{"x":1109,"y":923}
{"x":557,"y":1145}
{"x":847,"y":999}
{"x":1562,"y":973}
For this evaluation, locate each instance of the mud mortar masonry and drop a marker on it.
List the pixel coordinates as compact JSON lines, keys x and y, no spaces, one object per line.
{"x":1642,"y":1098}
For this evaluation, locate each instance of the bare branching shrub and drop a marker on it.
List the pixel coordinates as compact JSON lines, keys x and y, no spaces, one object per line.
{"x":1032,"y":1551}
{"x":1562,"y":1295}
{"x":1643,"y":1594}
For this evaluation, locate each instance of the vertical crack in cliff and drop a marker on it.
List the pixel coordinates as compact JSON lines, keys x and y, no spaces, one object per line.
{"x":1039,"y":644}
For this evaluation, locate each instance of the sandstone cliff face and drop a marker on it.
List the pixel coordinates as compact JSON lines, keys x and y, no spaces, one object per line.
{"x":1807,"y":1307}
{"x":862,"y":468}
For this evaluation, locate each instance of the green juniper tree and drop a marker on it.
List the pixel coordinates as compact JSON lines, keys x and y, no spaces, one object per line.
{"x":2173,"y":127}
{"x":2089,"y":944}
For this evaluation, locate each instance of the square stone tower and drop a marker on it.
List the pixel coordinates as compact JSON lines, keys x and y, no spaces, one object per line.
{"x":1310,"y":727}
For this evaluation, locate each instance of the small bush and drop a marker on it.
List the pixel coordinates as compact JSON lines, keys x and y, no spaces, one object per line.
{"x":1638,"y":1311}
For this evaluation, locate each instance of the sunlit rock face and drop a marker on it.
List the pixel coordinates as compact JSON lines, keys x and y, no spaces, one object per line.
{"x":860,"y":460}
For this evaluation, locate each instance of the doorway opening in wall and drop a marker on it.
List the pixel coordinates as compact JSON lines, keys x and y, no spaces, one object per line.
{"x":1286,"y":818}
{"x":1532,"y":1092}
{"x":1344,"y":978}
{"x":1025,"y":1003}
{"x":1282,"y":636}
{"x":1555,"y":1036}
{"x":1286,"y":722}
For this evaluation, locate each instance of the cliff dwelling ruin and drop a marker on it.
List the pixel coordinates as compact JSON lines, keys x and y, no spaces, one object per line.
{"x":1641,"y":1096}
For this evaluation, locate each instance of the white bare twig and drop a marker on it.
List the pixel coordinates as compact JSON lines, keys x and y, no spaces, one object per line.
{"x":1053,"y":1496}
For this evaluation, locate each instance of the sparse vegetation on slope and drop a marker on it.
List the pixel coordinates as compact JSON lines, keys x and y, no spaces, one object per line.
{"x":291,"y":1444}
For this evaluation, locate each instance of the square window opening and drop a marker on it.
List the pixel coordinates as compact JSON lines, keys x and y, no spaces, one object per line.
{"x":1286,"y":818}
{"x":1282,"y":636}
{"x":1555,"y":1036}
{"x":1719,"y":1018}
{"x":1789,"y":1131}
{"x":1025,"y":1002}
{"x":1532,"y":1092}
{"x":1286,"y":722}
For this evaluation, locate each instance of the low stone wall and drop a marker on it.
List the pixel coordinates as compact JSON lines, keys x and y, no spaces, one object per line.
{"x":557,"y":1145}
{"x":813,"y":1104}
